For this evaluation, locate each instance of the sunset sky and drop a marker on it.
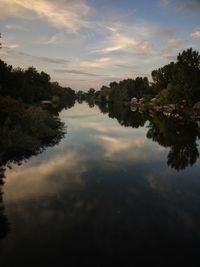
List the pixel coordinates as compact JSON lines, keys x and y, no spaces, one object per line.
{"x":88,"y":43}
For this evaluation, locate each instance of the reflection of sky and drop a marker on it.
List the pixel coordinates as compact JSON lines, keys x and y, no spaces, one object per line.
{"x":101,"y":176}
{"x":92,"y":139}
{"x":93,"y":142}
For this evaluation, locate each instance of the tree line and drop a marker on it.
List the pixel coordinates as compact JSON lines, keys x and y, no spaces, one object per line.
{"x":31,"y":86}
{"x":172,"y":83}
{"x":26,"y":127}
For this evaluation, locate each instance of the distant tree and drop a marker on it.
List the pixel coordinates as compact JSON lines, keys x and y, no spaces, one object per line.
{"x":91,"y":92}
{"x":103,"y":93}
{"x":80,"y":95}
{"x":31,"y":86}
{"x":113,"y":85}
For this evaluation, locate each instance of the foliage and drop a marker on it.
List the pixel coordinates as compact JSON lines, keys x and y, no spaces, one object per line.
{"x":30,"y":86}
{"x":91,"y":92}
{"x":25,"y":130}
{"x":173,"y":83}
{"x":181,"y":80}
{"x":123,"y":91}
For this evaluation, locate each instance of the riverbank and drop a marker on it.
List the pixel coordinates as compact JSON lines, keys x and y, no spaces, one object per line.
{"x":179,"y":111}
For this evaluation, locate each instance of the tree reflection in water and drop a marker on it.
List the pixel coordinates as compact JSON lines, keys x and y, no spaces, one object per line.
{"x":22,"y":135}
{"x":25,"y":131}
{"x":124,"y":115}
{"x":180,"y":137}
{"x":4,"y":224}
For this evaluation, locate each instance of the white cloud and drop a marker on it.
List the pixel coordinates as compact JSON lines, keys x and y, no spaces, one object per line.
{"x":9,"y":44}
{"x":68,"y":14}
{"x":45,"y":182}
{"x":119,"y":41}
{"x":114,"y":145}
{"x":53,"y":40}
{"x":96,"y":63}
{"x":196,"y":34}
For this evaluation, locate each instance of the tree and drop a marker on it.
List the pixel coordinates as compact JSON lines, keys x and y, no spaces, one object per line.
{"x":163,"y":76}
{"x":181,"y":79}
{"x":189,"y":58}
{"x":91,"y":92}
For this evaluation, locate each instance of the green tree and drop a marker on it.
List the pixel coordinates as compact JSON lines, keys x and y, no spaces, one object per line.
{"x":91,"y":92}
{"x":181,"y":79}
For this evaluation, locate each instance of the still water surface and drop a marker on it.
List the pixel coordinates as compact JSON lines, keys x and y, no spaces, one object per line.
{"x":104,"y":194}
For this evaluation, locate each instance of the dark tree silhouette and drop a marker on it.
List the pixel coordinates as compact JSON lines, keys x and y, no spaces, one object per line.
{"x":180,"y":80}
{"x":4,"y":224}
{"x":180,"y":138}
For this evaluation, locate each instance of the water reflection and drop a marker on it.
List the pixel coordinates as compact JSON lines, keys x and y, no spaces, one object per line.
{"x":4,"y":224}
{"x":24,"y":132}
{"x":180,"y":137}
{"x":103,"y":195}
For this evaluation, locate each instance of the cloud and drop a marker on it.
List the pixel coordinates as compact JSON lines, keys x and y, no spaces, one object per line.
{"x":77,"y":72}
{"x":67,"y":167}
{"x":69,"y":14}
{"x":124,"y":66}
{"x":118,"y":41}
{"x":174,"y":42}
{"x":106,"y":62}
{"x":196,"y":34}
{"x":114,"y":145}
{"x":171,"y":45}
{"x":15,"y":27}
{"x":11,"y":46}
{"x":53,"y":40}
{"x":138,"y":37}
{"x":96,"y":63}
{"x":46,"y":59}
{"x":97,"y":126}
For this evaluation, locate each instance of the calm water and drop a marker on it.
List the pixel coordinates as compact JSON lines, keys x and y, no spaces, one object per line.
{"x":107,"y":193}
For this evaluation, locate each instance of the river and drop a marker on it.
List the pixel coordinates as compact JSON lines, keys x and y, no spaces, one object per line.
{"x":107,"y":193}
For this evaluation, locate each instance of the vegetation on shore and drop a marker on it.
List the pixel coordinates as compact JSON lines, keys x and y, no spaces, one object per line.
{"x":176,"y":82}
{"x":30,"y":86}
{"x":27,"y":126}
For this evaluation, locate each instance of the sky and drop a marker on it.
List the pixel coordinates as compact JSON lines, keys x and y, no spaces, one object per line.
{"x":90,"y":43}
